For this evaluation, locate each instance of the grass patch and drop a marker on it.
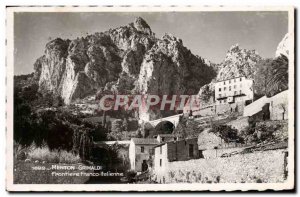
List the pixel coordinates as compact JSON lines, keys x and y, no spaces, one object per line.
{"x":43,"y":153}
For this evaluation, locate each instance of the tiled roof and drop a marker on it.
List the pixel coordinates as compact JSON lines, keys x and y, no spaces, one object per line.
{"x":144,"y":141}
{"x":176,"y":141}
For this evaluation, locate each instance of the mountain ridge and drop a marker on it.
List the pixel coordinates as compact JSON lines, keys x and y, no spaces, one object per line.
{"x":127,"y":59}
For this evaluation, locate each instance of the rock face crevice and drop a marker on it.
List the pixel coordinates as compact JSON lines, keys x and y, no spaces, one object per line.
{"x":127,"y":59}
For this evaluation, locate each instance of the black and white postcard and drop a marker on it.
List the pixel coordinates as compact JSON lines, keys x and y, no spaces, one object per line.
{"x":150,"y":98}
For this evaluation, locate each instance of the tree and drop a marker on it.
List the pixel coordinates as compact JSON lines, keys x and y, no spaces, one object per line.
{"x":116,"y":126}
{"x":104,"y":118}
{"x":271,"y":76}
{"x":125,"y":124}
{"x":138,"y":133}
{"x":284,"y":108}
{"x":262,"y":77}
{"x":278,"y":81}
{"x":227,"y":133}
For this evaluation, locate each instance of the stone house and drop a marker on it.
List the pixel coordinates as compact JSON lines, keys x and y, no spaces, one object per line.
{"x":140,"y":150}
{"x":166,"y":152}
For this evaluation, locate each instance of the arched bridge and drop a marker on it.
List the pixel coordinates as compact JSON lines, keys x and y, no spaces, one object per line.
{"x":172,"y":119}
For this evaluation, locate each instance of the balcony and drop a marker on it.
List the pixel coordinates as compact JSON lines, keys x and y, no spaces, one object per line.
{"x":222,"y":97}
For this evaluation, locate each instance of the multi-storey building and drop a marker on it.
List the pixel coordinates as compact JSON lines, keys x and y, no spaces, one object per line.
{"x":233,"y":90}
{"x":232,"y":94}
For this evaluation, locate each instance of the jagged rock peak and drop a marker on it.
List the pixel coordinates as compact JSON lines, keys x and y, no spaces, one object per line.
{"x":283,"y":46}
{"x":141,"y":25}
{"x":235,"y":47}
{"x":57,"y":45}
{"x":171,"y":38}
{"x":127,"y":59}
{"x":238,"y":62}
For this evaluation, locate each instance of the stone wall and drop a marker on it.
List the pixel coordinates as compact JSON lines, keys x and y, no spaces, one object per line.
{"x":207,"y":111}
{"x":237,"y":107}
{"x":265,"y":166}
{"x":214,"y":153}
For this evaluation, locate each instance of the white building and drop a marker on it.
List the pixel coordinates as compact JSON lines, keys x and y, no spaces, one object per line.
{"x":233,"y":90}
{"x":140,"y":150}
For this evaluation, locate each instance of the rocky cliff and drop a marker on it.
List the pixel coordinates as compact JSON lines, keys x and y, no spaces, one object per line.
{"x":284,"y":46}
{"x":238,"y":62}
{"x":128,"y":59}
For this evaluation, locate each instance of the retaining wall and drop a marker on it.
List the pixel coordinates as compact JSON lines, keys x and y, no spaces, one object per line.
{"x":263,"y":166}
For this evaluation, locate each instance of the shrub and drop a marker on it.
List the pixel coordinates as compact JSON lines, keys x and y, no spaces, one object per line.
{"x":67,"y":157}
{"x":227,"y":133}
{"x":51,"y":156}
{"x":264,"y":132}
{"x":19,"y":151}
{"x":43,"y":154}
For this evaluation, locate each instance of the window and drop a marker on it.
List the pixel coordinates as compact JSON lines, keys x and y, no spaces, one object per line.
{"x":234,"y":92}
{"x":220,"y":95}
{"x":224,"y":88}
{"x":240,"y":79}
{"x":151,"y":151}
{"x":234,"y":86}
{"x":224,"y":83}
{"x":162,"y":139}
{"x":229,"y":81}
{"x":220,"y":89}
{"x":225,"y":100}
{"x":142,"y":149}
{"x":160,"y":162}
{"x":229,"y":88}
{"x":160,"y":150}
{"x":240,"y":91}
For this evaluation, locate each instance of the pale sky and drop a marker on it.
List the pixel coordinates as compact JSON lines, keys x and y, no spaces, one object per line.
{"x":207,"y":34}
